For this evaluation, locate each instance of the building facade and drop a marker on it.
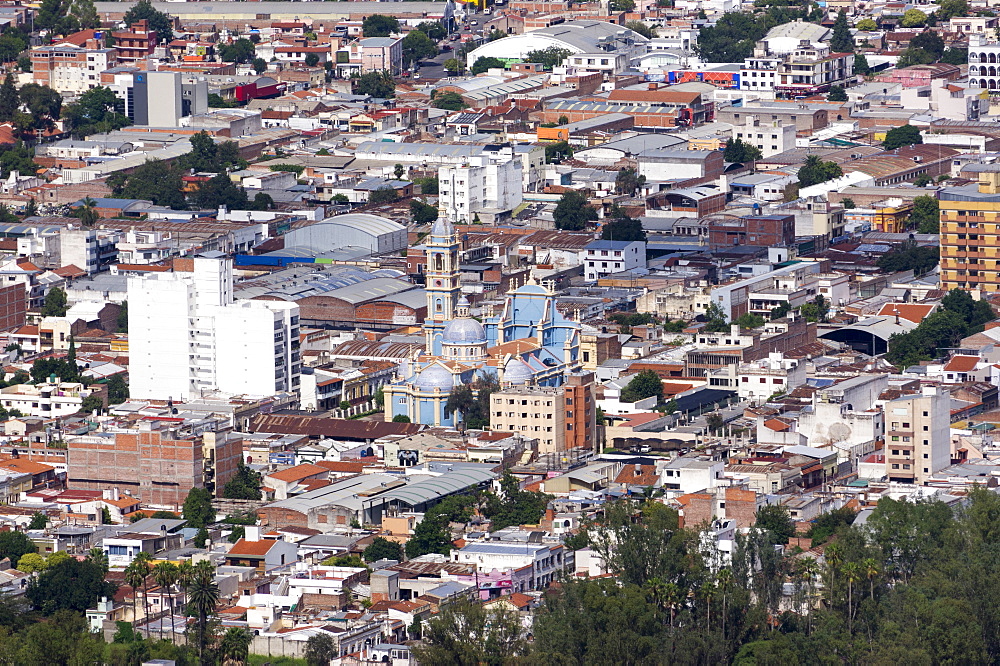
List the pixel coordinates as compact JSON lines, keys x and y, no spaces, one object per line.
{"x":918,"y":439}
{"x":189,"y":337}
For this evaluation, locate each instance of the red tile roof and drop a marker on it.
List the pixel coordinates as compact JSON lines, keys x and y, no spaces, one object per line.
{"x":244,"y":548}
{"x":915,"y":312}
{"x":297,"y":473}
{"x":961,"y":364}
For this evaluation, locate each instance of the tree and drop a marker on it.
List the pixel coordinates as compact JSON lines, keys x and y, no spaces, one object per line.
{"x":203,"y":595}
{"x":628,"y":180}
{"x":9,"y":99}
{"x":383,"y":195}
{"x":622,"y":5}
{"x":96,"y":111}
{"x":731,"y":38}
{"x":848,"y":203}
{"x":401,"y":418}
{"x":219,"y":191}
{"x":422,"y":213}
{"x":483,"y":64}
{"x":623,"y":229}
{"x":117,"y":390}
{"x":816,"y":171}
{"x":572,"y":212}
{"x":841,"y":40}
{"x":914,"y":56}
{"x":738,"y":150}
{"x":38,"y":521}
{"x":417,"y":46}
{"x":235,"y":646}
{"x":13,"y":43}
{"x":454,"y":66}
{"x":716,"y":319}
{"x":86,"y":14}
{"x":320,"y":650}
{"x":861,"y":64}
{"x":775,"y":519}
{"x":923,"y":180}
{"x":644,"y":385}
{"x":430,"y":535}
{"x":749,"y":321}
{"x":377,"y":25}
{"x":91,"y":404}
{"x":929,"y":41}
{"x":816,"y":309}
{"x":548,"y":58}
{"x":837,"y":94}
{"x":311,"y":59}
{"x":383,"y":549}
{"x":714,"y":422}
{"x":31,"y":563}
{"x":513,"y":506}
{"x":156,"y":181}
{"x":375,"y":84}
{"x":913,"y":18}
{"x":904,"y":135}
{"x":71,"y":584}
{"x":433,"y":29}
{"x":955,"y":56}
{"x":952,"y":9}
{"x":245,"y":484}
{"x":198,"y":511}
{"x":467,"y":633}
{"x":641,"y":28}
{"x":239,"y":52}
{"x":161,"y":23}
{"x":866,"y":25}
{"x":259,"y":65}
{"x":556,"y":151}
{"x":450,"y":101}
{"x":55,"y":303}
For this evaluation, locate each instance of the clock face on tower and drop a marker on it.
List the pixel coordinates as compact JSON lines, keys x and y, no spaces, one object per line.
{"x":437,"y":283}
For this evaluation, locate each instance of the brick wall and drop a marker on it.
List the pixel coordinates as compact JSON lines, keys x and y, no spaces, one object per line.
{"x":741,"y":506}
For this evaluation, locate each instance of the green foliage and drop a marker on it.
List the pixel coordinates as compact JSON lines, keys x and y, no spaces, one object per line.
{"x":422,"y":213}
{"x":952,"y":8}
{"x":156,"y":181}
{"x":431,"y":535}
{"x":960,"y":315}
{"x":96,"y":111}
{"x":955,"y":56}
{"x":240,"y":52}
{"x":428,"y":185}
{"x":382,"y":549}
{"x":117,"y":390}
{"x":866,"y":25}
{"x":472,"y":401}
{"x":401,"y":418}
{"x":837,"y":94}
{"x":641,"y":28}
{"x":15,"y":544}
{"x":207,"y":156}
{"x":375,"y":84}
{"x":38,"y":521}
{"x":623,"y":229}
{"x":913,"y":18}
{"x":466,"y":632}
{"x":377,"y":25}
{"x":628,"y":180}
{"x":816,"y":309}
{"x":848,"y":203}
{"x":738,"y":150}
{"x":320,"y":650}
{"x":556,"y":151}
{"x":215,"y":101}
{"x":644,"y":385}
{"x":18,"y":158}
{"x":201,"y":538}
{"x":198,"y":511}
{"x":417,"y":46}
{"x":454,"y":66}
{"x":548,"y":58}
{"x":450,"y":101}
{"x":904,"y":135}
{"x":344,"y":561}
{"x":572,"y":212}
{"x":71,"y":584}
{"x":732,"y":38}
{"x":161,"y":23}
{"x":775,"y":519}
{"x":514,"y":506}
{"x":717,"y":322}
{"x":245,"y":484}
{"x":749,"y":321}
{"x":929,"y":41}
{"x":13,"y":43}
{"x":922,"y":180}
{"x":383,"y":195}
{"x":91,"y":404}
{"x":63,"y":369}
{"x":841,"y":40}
{"x":909,"y":256}
{"x":621,"y":5}
{"x":55,"y":303}
{"x":629,"y":319}
{"x":815,"y":170}
{"x":433,"y":29}
{"x":483,"y":64}
{"x":826,"y":525}
{"x":861,"y":64}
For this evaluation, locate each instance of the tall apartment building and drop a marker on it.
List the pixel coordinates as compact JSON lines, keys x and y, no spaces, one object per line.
{"x":71,"y":68}
{"x":970,"y":233}
{"x":559,"y":417}
{"x":154,"y":461}
{"x":189,"y":337}
{"x":918,"y":435}
{"x":137,"y":42}
{"x":483,"y":185}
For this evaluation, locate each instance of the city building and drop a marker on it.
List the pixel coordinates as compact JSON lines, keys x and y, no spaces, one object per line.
{"x":188,"y":336}
{"x":607,"y":257}
{"x":484,"y":186}
{"x":970,"y":240}
{"x":918,"y":436}
{"x":69,"y":68}
{"x":560,"y":417}
{"x":771,"y":138}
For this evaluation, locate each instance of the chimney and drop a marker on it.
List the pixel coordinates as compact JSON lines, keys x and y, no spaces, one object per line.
{"x":251,"y":533}
{"x":638,"y":469}
{"x":652,"y":85}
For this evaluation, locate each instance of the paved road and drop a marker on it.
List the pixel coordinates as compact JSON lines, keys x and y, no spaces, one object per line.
{"x":433,"y":69}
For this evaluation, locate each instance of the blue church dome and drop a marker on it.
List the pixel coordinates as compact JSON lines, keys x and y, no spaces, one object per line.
{"x":517,"y":372}
{"x":463,"y":330}
{"x":434,"y":377}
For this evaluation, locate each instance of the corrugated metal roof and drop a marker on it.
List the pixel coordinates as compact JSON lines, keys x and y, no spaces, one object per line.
{"x":428,"y":490}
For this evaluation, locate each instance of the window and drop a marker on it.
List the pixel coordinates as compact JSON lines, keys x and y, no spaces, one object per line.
{"x":895,"y":466}
{"x":117,"y":550}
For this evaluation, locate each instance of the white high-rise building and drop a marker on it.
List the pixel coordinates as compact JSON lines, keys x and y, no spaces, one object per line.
{"x":188,"y":337}
{"x":483,"y":185}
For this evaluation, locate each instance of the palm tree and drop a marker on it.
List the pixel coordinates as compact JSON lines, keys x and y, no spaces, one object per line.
{"x":134,"y":578}
{"x":833,"y":557}
{"x":871,"y":570}
{"x":707,"y":592}
{"x":184,"y":574}
{"x":852,"y":571}
{"x":725,"y":582}
{"x":142,"y":562}
{"x":88,"y":214}
{"x":203,"y":593}
{"x":98,"y":557}
{"x":235,"y":646}
{"x":809,"y":568}
{"x":165,"y":575}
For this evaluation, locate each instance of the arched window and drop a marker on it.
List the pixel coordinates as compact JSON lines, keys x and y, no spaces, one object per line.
{"x":439,"y":262}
